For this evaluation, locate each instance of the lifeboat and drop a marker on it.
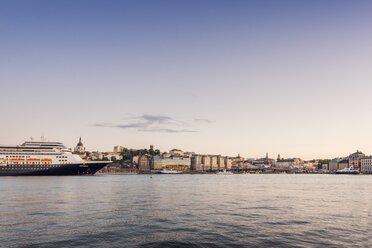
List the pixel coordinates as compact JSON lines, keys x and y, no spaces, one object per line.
{"x":46,"y":160}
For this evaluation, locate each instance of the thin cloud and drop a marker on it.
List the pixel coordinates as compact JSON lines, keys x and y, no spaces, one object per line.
{"x":201,"y":120}
{"x":168,"y":130}
{"x":151,"y":123}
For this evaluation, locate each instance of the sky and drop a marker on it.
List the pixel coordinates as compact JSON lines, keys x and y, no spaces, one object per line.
{"x":215,"y":77}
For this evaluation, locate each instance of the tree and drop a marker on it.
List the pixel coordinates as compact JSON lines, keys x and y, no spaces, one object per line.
{"x":113,"y":158}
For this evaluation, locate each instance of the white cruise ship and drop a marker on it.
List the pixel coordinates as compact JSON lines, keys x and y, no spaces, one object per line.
{"x":37,"y":158}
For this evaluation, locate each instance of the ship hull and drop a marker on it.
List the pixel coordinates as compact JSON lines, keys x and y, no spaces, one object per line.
{"x":348,"y":173}
{"x":86,"y":168}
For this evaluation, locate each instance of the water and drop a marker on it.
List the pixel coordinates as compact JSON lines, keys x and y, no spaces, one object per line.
{"x":186,"y":211}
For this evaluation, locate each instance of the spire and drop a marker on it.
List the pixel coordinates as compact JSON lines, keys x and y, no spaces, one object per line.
{"x":80,"y":143}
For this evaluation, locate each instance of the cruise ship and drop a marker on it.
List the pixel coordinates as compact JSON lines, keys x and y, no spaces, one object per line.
{"x":42,"y":158}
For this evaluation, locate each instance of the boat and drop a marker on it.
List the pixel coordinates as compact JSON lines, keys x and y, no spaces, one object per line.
{"x":224,"y":172}
{"x":166,"y":171}
{"x":349,"y":170}
{"x":43,"y":158}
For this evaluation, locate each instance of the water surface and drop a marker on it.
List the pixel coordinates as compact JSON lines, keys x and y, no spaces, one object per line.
{"x":186,"y":211}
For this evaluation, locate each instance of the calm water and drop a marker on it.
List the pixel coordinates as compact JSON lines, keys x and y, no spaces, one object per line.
{"x":186,"y":211}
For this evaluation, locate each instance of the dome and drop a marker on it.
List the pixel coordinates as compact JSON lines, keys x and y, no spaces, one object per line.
{"x":80,"y":144}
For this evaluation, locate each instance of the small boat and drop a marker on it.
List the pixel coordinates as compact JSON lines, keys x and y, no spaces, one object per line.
{"x":224,"y":172}
{"x":349,"y":170}
{"x":166,"y":171}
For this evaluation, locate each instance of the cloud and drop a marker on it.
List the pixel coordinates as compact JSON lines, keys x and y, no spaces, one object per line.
{"x":151,"y":123}
{"x":201,"y":120}
{"x":168,"y":130}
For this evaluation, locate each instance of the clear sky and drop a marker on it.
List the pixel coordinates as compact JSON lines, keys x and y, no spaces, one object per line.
{"x":222,"y":77}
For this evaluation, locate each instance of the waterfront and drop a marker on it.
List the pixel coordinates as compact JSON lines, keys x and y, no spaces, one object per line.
{"x":250,"y":210}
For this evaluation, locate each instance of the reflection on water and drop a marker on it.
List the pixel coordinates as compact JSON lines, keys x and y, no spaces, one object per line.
{"x":186,"y":211}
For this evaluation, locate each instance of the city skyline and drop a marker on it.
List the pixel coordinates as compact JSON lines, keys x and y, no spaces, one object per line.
{"x":212,"y":77}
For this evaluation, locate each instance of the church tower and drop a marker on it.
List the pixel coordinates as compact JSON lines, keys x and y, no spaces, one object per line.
{"x":79,"y":147}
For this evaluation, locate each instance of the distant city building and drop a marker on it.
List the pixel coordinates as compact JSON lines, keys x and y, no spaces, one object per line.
{"x":188,"y":154}
{"x":343,"y":164}
{"x":175,"y":163}
{"x":118,"y":149}
{"x":135,"y":161}
{"x":333,"y":164}
{"x":355,"y":159}
{"x":366,"y":164}
{"x":176,"y":152}
{"x":214,"y":165}
{"x":79,"y":149}
{"x":228,"y":163}
{"x":144,"y":162}
{"x":285,"y":163}
{"x":206,"y":162}
{"x":220,"y":163}
{"x":196,"y":163}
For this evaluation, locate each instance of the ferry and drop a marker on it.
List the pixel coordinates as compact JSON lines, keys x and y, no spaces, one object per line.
{"x":42,"y":158}
{"x":348,"y":171}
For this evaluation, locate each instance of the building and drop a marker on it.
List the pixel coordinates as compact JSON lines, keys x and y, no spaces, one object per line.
{"x":196,"y":163}
{"x":214,"y":165}
{"x":176,"y":152}
{"x":144,"y":162}
{"x":355,"y":160}
{"x":174,"y":163}
{"x":343,"y":164}
{"x":118,"y":149}
{"x":206,"y":162}
{"x":285,"y":163}
{"x":228,"y":163}
{"x":220,"y":163}
{"x":79,"y":149}
{"x":333,"y":164}
{"x":366,"y":164}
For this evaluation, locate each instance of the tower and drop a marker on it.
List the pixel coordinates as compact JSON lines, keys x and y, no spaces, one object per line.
{"x":79,"y":147}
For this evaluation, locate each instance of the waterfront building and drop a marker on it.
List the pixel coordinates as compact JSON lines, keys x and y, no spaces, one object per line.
{"x":310,"y":166}
{"x":206,"y":162}
{"x":196,"y":163}
{"x":144,"y":162}
{"x":79,"y":149}
{"x":333,"y":164}
{"x":220,"y":163}
{"x":366,"y":164}
{"x":175,"y":163}
{"x":214,"y":165}
{"x":355,"y":159}
{"x":228,"y":163}
{"x":118,"y":149}
{"x":285,"y":163}
{"x":344,"y":163}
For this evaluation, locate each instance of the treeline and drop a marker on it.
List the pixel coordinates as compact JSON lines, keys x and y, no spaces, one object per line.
{"x":128,"y":154}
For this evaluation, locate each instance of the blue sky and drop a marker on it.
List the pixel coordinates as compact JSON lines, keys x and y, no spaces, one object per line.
{"x":219,"y":77}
